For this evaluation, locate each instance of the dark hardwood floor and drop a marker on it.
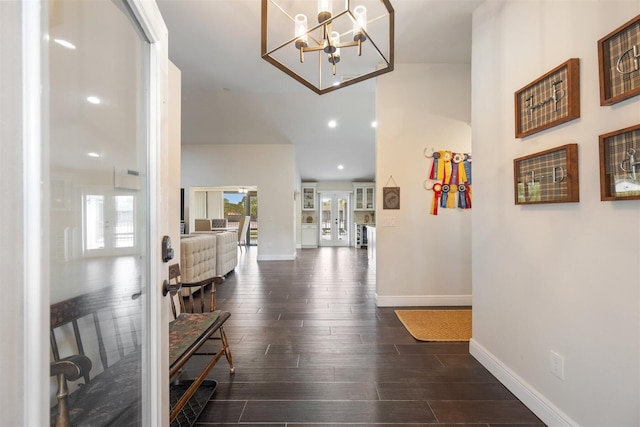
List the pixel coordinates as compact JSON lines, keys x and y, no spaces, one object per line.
{"x":312,"y":349}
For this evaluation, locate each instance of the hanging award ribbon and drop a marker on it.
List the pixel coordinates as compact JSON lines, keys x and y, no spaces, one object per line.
{"x":459,"y":177}
{"x":437,"y":193}
{"x":447,"y":201}
{"x":464,"y":201}
{"x":444,"y":198}
{"x":451,"y":200}
{"x":467,"y":171}
{"x":445,"y":159}
{"x":435,"y":165}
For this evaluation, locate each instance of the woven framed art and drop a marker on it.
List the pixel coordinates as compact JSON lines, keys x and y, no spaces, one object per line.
{"x":619,"y":63}
{"x":620,"y":164}
{"x":552,"y":99}
{"x":549,"y":176}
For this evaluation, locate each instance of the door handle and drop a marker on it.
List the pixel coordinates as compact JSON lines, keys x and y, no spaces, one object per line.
{"x":170,"y":288}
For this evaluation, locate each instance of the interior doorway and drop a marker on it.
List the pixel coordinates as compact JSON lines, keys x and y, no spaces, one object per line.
{"x":334,"y":219}
{"x":242,"y":203}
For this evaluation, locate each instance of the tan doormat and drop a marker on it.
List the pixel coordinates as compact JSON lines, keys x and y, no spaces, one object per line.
{"x":437,"y":325}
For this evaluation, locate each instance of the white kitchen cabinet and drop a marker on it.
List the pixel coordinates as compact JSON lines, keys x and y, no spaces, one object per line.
{"x":364,"y":197}
{"x":309,"y":235}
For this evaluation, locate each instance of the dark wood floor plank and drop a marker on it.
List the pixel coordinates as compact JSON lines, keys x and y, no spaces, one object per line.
{"x":401,"y":373}
{"x":308,"y":390}
{"x":486,"y":411}
{"x":347,"y":349}
{"x":443,"y":391}
{"x":370,"y":412}
{"x":275,"y":375}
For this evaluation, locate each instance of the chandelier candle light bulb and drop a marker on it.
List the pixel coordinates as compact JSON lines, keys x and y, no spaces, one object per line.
{"x":334,"y":57}
{"x":325,"y":10}
{"x":302,"y":39}
{"x":360,"y":24}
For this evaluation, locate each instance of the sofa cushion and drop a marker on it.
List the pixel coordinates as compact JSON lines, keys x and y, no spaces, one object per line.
{"x":226,"y":252}
{"x":198,"y":257}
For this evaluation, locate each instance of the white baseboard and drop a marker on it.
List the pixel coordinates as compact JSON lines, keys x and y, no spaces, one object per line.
{"x":276,"y":257}
{"x":539,"y":405}
{"x":422,"y":300}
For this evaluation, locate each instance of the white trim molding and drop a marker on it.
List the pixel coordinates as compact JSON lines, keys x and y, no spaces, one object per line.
{"x":35,"y":263}
{"x":539,"y":405}
{"x":276,"y":257}
{"x":422,"y":300}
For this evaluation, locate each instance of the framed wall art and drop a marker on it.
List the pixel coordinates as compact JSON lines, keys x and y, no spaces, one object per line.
{"x":619,"y":63}
{"x":620,"y":164}
{"x":550,"y":176}
{"x":552,"y":99}
{"x":391,"y":198}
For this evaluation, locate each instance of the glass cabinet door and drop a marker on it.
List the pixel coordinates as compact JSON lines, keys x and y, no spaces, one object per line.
{"x":308,"y":198}
{"x":359,"y":198}
{"x":369,"y":198}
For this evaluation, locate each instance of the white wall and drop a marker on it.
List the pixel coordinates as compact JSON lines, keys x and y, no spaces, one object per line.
{"x":561,"y":277}
{"x":269,"y":167}
{"x":424,"y":259}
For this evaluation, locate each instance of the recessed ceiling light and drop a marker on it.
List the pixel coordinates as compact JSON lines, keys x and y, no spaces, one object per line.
{"x":65,"y":43}
{"x":336,"y":83}
{"x":93,"y":99}
{"x":332,"y":123}
{"x":340,"y":167}
{"x":374,"y":124}
{"x":93,"y":154}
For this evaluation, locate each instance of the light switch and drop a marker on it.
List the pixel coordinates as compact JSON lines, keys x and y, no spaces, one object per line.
{"x":389,"y":221}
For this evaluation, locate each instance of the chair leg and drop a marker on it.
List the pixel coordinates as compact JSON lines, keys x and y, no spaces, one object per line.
{"x":227,"y":350}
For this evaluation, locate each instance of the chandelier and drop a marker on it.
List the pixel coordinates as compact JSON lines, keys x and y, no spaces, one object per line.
{"x":352,"y":40}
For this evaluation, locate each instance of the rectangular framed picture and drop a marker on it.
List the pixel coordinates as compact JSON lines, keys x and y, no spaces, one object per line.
{"x":619,"y":63}
{"x":391,"y":198}
{"x":550,"y":100}
{"x":550,"y":176}
{"x":620,"y":164}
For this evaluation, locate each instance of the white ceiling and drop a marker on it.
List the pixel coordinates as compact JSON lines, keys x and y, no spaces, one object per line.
{"x":232,"y":96}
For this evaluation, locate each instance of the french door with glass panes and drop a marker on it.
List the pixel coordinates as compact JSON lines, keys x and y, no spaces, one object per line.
{"x":334,"y":219}
{"x":109,"y":223}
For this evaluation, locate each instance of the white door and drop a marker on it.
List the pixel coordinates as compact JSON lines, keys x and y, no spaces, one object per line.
{"x":335,"y":221}
{"x":105,"y":69}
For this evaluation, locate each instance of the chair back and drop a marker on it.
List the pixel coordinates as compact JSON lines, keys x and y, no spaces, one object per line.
{"x":240,"y":225}
{"x":219,"y":223}
{"x":202,"y":225}
{"x":242,"y":230}
{"x":196,"y":293}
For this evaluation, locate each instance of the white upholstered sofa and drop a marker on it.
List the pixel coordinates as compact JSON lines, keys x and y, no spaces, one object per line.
{"x":208,"y":254}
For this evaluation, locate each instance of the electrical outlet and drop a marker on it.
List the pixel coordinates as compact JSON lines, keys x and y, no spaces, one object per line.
{"x":557,"y":364}
{"x":389,"y":221}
